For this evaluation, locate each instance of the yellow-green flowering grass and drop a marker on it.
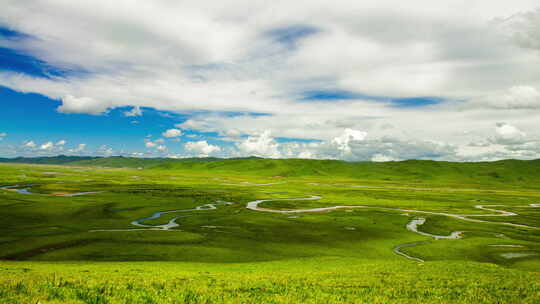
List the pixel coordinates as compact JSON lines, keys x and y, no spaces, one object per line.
{"x":318,"y":280}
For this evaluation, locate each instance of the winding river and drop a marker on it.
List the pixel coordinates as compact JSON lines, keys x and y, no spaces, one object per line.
{"x":171,"y":224}
{"x":254,"y":206}
{"x":411,"y":226}
{"x":16,"y":188}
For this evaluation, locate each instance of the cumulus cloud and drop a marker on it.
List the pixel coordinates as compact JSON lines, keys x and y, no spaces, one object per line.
{"x":104,"y":150}
{"x":88,"y":105}
{"x":172,"y":133}
{"x":2,"y":135}
{"x":156,"y":144}
{"x":306,"y":155}
{"x":47,"y":146}
{"x":136,"y":111}
{"x":61,"y":142}
{"x":506,"y":134}
{"x":349,"y":135}
{"x":260,"y":69}
{"x":384,"y":149}
{"x":506,"y":141}
{"x":29,"y":144}
{"x":353,"y":145}
{"x":381,"y":158}
{"x":524,"y":28}
{"x":80,"y":148}
{"x":262,"y":145}
{"x":131,"y":55}
{"x":202,"y":147}
{"x":517,"y":97}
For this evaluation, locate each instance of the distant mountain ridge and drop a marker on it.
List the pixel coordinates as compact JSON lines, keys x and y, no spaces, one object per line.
{"x":52,"y":160}
{"x":111,"y":161}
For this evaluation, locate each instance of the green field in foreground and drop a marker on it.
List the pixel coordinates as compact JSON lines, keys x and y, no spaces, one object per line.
{"x":84,"y":249}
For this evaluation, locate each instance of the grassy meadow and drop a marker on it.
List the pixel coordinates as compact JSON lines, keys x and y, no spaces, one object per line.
{"x":84,"y":249}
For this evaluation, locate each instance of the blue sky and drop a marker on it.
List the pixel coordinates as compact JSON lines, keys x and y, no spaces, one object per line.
{"x":33,"y":117}
{"x":354,"y":81}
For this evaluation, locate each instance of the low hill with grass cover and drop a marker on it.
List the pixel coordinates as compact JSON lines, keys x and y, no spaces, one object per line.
{"x":521,"y":172}
{"x":133,"y":162}
{"x":515,"y":171}
{"x":47,"y":160}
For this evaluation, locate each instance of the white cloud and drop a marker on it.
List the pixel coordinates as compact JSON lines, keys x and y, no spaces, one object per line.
{"x":2,"y":135}
{"x":202,"y":148}
{"x":517,"y":97}
{"x":506,"y":134}
{"x":172,"y":133}
{"x":156,"y":144}
{"x":61,"y":142}
{"x":71,"y":104}
{"x":359,"y":148}
{"x":135,"y":48}
{"x":229,"y":57}
{"x":105,"y":150}
{"x":30,"y":144}
{"x":381,"y":158}
{"x":136,"y":111}
{"x":524,"y":29}
{"x":262,"y":145}
{"x":78,"y":149}
{"x":348,"y":136}
{"x":306,"y":155}
{"x":47,"y":146}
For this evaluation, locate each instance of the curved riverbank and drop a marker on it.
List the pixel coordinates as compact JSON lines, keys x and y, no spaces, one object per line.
{"x":27,"y":191}
{"x":413,"y":225}
{"x":168,"y":226}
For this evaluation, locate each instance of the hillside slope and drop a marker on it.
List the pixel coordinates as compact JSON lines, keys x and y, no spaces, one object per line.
{"x":47,"y":160}
{"x":134,"y":162}
{"x":522,"y":172}
{"x":515,"y":171}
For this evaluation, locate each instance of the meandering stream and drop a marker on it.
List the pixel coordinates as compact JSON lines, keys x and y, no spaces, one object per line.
{"x":171,"y":224}
{"x":411,"y":226}
{"x":27,"y":191}
{"x":254,"y":205}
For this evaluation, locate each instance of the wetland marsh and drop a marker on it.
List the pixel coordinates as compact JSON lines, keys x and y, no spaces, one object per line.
{"x":256,"y":238}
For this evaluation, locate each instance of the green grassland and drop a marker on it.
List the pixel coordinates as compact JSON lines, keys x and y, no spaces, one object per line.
{"x":85,"y":249}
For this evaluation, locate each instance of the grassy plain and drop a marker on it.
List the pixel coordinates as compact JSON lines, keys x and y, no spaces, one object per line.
{"x":51,"y":252}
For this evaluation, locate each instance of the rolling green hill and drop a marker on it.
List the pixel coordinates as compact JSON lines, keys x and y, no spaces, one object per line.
{"x":111,"y":162}
{"x":49,"y":160}
{"x":133,"y":162}
{"x":515,"y":171}
{"x":522,"y":172}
